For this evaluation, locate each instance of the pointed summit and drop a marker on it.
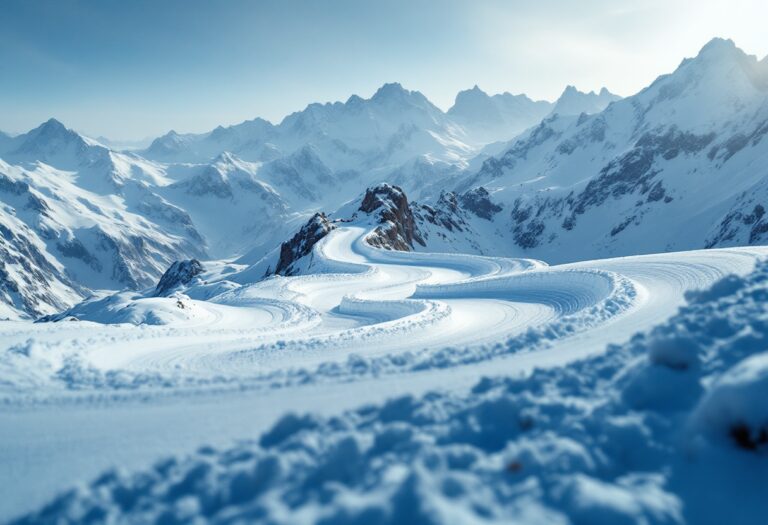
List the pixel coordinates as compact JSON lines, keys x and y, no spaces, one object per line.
{"x":473,"y":105}
{"x":52,"y":129}
{"x":165,"y":146}
{"x":490,"y":118}
{"x":720,"y":48}
{"x":394,"y":92}
{"x":722,"y":52}
{"x":393,"y":97}
{"x":462,"y":97}
{"x":49,"y":138}
{"x":389,"y":91}
{"x":722,"y":64}
{"x":575,"y":102}
{"x":225,"y":157}
{"x":53,"y":125}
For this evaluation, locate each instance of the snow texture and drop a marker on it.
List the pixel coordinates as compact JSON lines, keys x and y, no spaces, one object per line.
{"x":635,"y":435}
{"x":318,"y":300}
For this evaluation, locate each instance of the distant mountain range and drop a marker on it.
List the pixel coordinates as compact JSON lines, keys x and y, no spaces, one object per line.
{"x":679,"y":165}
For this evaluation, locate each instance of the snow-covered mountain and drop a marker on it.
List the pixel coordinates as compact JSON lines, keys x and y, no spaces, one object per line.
{"x":389,"y":128}
{"x":229,"y":205}
{"x":489,"y":118}
{"x":575,"y":102}
{"x":677,"y":166}
{"x":345,"y":277}
{"x":79,"y":217}
{"x":60,"y":239}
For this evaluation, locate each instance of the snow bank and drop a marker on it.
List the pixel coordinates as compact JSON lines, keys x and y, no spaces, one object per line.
{"x":382,"y":309}
{"x":136,"y":308}
{"x":474,"y":265}
{"x":650,"y":432}
{"x":566,"y":291}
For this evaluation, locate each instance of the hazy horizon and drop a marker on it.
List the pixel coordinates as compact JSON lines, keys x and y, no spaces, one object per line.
{"x":124,"y":71}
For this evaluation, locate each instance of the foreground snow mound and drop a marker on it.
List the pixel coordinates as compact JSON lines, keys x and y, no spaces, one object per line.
{"x":669,"y":428}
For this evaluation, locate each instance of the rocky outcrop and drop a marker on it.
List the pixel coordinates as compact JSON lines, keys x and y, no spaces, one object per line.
{"x":446,"y":214}
{"x":397,"y":228}
{"x":302,"y":243}
{"x":28,"y":281}
{"x":478,"y":201}
{"x":179,"y":274}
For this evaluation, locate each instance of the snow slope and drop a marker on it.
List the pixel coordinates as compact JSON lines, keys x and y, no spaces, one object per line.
{"x":367,"y":324}
{"x":661,"y":430}
{"x":677,"y":166}
{"x":674,"y":167}
{"x":92,"y":218}
{"x":315,"y":297}
{"x":81,"y":218}
{"x":490,"y":118}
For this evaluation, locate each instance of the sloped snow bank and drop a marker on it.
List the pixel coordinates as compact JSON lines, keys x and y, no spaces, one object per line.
{"x":668,"y":428}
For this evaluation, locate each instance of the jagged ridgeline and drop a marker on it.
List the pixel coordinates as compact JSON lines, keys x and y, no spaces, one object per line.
{"x":677,"y":166}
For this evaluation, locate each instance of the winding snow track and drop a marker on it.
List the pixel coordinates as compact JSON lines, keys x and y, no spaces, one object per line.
{"x":391,"y":302}
{"x":434,"y":320}
{"x":377,"y":303}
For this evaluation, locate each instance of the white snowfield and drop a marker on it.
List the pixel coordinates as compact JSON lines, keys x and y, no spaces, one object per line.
{"x":177,"y":373}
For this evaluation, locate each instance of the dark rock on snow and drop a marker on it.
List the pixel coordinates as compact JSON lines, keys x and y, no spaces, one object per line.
{"x":180,"y":273}
{"x":397,"y":228}
{"x":302,"y":243}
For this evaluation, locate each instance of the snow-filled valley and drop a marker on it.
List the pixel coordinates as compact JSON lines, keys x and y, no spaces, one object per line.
{"x":379,"y":312}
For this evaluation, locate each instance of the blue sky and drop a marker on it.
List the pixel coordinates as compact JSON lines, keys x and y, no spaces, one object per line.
{"x":131,"y":69}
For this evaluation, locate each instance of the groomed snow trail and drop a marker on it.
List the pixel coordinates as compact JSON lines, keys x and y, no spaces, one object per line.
{"x":369,"y":324}
{"x":373,"y":302}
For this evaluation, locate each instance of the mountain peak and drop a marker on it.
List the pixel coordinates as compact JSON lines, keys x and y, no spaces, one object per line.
{"x":52,"y":128}
{"x":354,"y":100}
{"x":721,"y":51}
{"x":474,"y":93}
{"x":390,"y":89}
{"x":52,"y":123}
{"x":574,"y":92}
{"x":720,"y":47}
{"x":225,"y":157}
{"x":53,"y":143}
{"x":723,"y":63}
{"x":575,"y":102}
{"x":475,"y":104}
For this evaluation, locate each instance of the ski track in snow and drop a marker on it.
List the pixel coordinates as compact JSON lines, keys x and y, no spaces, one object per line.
{"x":373,"y":304}
{"x":368,"y":324}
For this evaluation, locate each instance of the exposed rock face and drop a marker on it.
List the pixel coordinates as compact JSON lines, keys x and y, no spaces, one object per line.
{"x":446,"y":214}
{"x":302,"y":243}
{"x":478,"y":201}
{"x":634,"y":174}
{"x":745,"y":223}
{"x":180,"y":273}
{"x":27,"y":278}
{"x":397,"y":228}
